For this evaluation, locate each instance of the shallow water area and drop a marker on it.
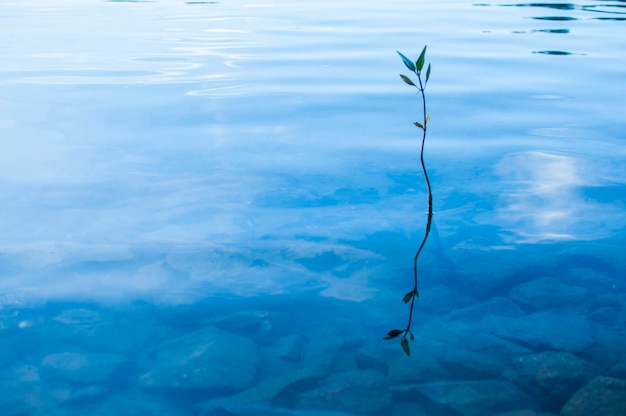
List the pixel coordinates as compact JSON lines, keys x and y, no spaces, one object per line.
{"x":212,"y":208}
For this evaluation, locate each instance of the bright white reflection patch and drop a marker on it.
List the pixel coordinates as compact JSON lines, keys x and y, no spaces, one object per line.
{"x":542,"y":200}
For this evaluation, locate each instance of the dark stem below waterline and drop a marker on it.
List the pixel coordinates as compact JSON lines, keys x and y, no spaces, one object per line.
{"x":430,"y":205}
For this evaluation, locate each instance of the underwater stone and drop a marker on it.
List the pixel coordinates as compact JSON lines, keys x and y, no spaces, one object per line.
{"x":606,"y":317}
{"x":551,"y":376}
{"x":481,"y":281}
{"x":368,"y":359}
{"x":268,"y":392}
{"x":469,"y":353}
{"x":548,"y":293}
{"x":284,"y":352}
{"x":86,"y":393}
{"x":262,"y":410}
{"x":89,"y":368}
{"x":618,"y":370}
{"x":124,"y":333}
{"x":351,"y":391}
{"x":479,"y":355}
{"x":498,"y":306}
{"x":607,"y":349}
{"x":476,"y":398}
{"x":442,"y":299}
{"x":208,"y":358}
{"x":78,"y":317}
{"x":526,"y":413}
{"x":275,"y":390}
{"x":406,"y":370}
{"x":597,"y":282}
{"x":8,"y":349}
{"x":316,"y":351}
{"x":610,"y":312}
{"x":565,"y":331}
{"x":94,"y":401}
{"x":22,"y":392}
{"x":252,"y":323}
{"x":603,"y":396}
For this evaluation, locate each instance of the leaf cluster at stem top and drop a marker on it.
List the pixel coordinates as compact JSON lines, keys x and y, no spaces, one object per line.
{"x":416,"y":67}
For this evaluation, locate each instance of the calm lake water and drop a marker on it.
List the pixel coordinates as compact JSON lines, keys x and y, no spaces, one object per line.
{"x":212,"y":208}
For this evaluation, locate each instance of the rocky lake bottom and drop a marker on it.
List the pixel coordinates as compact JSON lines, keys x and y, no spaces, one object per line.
{"x":545,"y":338}
{"x":210,"y":208}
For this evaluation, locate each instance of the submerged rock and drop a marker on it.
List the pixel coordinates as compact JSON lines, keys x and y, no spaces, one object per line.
{"x":549,"y":293}
{"x":22,"y":392}
{"x":603,"y":396}
{"x":78,"y":317}
{"x":607,"y":349}
{"x":471,"y":354}
{"x":89,"y":368}
{"x":123,"y":332}
{"x":475,"y":398}
{"x":233,"y":409}
{"x":85,"y":393}
{"x":95,"y":401}
{"x":360,"y":392}
{"x":208,"y":358}
{"x":298,"y":362}
{"x":550,"y":376}
{"x":442,"y":299}
{"x":8,"y":348}
{"x":562,"y":332}
{"x":496,"y":306}
{"x":526,"y":413}
{"x":618,"y":370}
{"x":246,"y":322}
{"x":427,"y":367}
{"x":269,"y":391}
{"x":607,"y":317}
{"x":597,"y":282}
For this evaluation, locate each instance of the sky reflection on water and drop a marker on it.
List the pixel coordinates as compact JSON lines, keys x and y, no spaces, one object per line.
{"x":130,"y":139}
{"x":544,"y":201}
{"x":211,"y":208}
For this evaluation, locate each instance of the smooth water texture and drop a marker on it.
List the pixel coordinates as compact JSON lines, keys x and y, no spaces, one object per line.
{"x":212,"y":208}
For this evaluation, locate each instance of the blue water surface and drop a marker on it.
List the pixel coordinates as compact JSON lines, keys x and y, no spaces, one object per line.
{"x":212,"y":208}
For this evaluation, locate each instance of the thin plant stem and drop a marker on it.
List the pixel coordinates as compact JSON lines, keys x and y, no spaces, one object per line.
{"x":430,"y":203}
{"x":416,"y":68}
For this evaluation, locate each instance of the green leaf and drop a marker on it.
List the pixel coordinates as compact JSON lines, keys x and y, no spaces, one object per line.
{"x":408,"y":297}
{"x":427,"y":73}
{"x":407,"y":62}
{"x":419,"y":64}
{"x":427,"y":120}
{"x":418,"y":124}
{"x":405,"y":346}
{"x":393,"y":333}
{"x":412,"y":337}
{"x":407,"y":80}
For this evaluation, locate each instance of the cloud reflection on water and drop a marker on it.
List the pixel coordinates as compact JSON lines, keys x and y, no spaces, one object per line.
{"x":149,"y":179}
{"x":543,"y":200}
